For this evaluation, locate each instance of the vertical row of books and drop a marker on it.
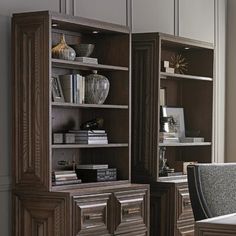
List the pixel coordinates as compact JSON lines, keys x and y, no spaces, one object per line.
{"x":73,"y":87}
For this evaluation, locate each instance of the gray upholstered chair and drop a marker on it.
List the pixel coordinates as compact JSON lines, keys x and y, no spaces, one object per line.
{"x":212,"y":189}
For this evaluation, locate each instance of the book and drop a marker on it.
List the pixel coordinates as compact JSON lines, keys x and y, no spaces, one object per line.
{"x":67,"y":84}
{"x":66,"y":182}
{"x":87,"y":60}
{"x":90,"y":138}
{"x":92,"y":166}
{"x":88,"y":131}
{"x":92,"y":141}
{"x":191,"y":139}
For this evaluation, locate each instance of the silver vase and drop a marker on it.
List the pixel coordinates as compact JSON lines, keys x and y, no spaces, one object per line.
{"x":96,"y":88}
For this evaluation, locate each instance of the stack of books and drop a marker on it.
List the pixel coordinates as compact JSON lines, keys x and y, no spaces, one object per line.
{"x":90,"y":136}
{"x":64,"y":177}
{"x":73,"y":88}
{"x":89,"y":60}
{"x":168,"y":137}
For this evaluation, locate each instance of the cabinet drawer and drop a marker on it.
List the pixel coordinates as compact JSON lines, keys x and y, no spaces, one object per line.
{"x":91,"y":215}
{"x":184,"y":208}
{"x":130,"y":212}
{"x":187,"y":230}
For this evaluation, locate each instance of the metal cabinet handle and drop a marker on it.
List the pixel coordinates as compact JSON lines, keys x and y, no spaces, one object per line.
{"x":131,"y":211}
{"x":93,"y":216}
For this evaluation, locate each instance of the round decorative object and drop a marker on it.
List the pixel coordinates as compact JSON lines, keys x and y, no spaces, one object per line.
{"x":179,"y":63}
{"x":96,"y":89}
{"x":83,"y":50}
{"x":63,"y":51}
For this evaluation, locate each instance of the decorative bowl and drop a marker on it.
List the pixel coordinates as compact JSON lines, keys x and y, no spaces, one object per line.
{"x":83,"y":50}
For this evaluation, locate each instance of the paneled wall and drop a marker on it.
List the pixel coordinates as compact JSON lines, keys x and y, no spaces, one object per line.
{"x":150,"y":15}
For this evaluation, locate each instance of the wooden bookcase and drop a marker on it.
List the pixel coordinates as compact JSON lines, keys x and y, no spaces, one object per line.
{"x":95,"y":208}
{"x":193,"y":91}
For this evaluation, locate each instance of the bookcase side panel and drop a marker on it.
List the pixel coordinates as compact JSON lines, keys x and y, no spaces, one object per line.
{"x":31,"y":101}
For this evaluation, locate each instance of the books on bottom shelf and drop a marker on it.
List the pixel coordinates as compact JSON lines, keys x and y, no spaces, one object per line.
{"x":73,"y":87}
{"x":64,"y":178}
{"x":92,"y":166}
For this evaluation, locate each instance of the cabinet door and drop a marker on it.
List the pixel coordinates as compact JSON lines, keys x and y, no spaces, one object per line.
{"x":39,"y":215}
{"x":196,"y":19}
{"x":153,"y":16}
{"x":184,"y":214}
{"x":91,"y":215}
{"x":112,"y":11}
{"x":130,"y":212}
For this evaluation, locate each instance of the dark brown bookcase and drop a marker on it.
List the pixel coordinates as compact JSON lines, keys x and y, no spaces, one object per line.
{"x":192,"y":91}
{"x":94,"y":208}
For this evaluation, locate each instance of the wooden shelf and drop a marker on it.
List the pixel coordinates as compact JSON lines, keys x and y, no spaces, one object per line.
{"x":90,"y":184}
{"x":165,"y":75}
{"x":102,"y":106}
{"x":70,"y":146}
{"x":85,"y":66}
{"x":184,"y":144}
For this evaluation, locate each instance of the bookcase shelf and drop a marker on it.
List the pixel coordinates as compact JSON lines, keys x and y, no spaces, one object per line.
{"x":155,"y":54}
{"x":165,"y":75}
{"x":58,"y":63}
{"x":83,"y":205}
{"x":70,"y":146}
{"x":184,"y":144}
{"x":100,"y":106}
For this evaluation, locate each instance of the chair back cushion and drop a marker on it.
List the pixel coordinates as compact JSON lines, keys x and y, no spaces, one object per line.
{"x":212,"y":189}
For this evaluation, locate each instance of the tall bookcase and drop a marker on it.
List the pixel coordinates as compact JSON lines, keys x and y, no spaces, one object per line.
{"x":171,"y":212}
{"x":94,"y":208}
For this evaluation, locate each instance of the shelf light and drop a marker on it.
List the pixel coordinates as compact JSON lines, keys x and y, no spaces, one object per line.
{"x":54,"y":25}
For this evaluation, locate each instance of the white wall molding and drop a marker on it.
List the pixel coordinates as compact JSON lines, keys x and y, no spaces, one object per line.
{"x":219,"y":85}
{"x":176,"y":17}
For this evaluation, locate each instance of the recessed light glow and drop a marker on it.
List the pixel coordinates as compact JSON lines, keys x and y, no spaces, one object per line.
{"x":54,"y":24}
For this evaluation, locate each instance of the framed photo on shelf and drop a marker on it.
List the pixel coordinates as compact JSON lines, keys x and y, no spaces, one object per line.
{"x":175,"y":117}
{"x":57,"y":94}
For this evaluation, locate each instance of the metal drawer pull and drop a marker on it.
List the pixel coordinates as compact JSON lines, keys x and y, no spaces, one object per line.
{"x":131,"y":211}
{"x":93,"y":216}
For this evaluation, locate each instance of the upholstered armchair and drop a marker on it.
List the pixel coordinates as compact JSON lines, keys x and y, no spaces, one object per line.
{"x":212,"y":189}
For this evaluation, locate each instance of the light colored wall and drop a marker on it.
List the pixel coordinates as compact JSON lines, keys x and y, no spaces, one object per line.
{"x":231,"y":84}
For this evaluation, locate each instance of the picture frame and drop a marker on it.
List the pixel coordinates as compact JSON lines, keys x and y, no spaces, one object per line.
{"x":175,"y":120}
{"x":57,"y":94}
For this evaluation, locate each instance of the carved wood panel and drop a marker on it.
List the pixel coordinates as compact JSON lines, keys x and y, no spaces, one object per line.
{"x":145,"y":86}
{"x":39,"y":216}
{"x":130,"y":212}
{"x":92,"y":215}
{"x":31,"y":101}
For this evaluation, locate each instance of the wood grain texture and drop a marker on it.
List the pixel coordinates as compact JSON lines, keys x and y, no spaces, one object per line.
{"x":31,"y":102}
{"x":171,"y":212}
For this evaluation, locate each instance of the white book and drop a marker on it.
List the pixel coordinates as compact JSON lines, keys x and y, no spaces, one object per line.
{"x":87,"y":60}
{"x":105,"y":141}
{"x":92,"y":167}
